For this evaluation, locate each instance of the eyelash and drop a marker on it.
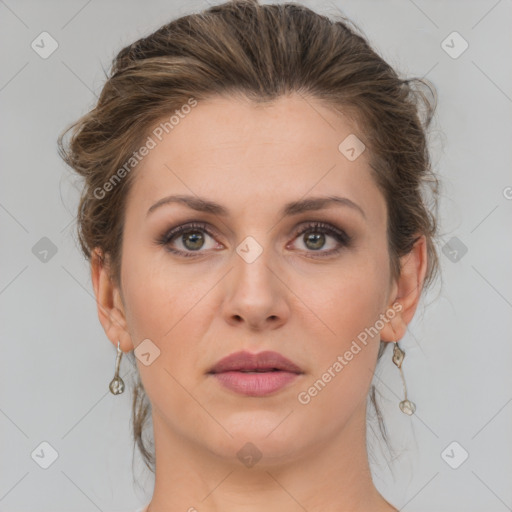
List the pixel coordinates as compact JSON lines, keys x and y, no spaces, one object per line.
{"x":318,"y":227}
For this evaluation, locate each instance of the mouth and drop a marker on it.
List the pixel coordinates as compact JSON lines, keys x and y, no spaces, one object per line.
{"x":260,"y":374}
{"x":256,"y":383}
{"x":259,"y":371}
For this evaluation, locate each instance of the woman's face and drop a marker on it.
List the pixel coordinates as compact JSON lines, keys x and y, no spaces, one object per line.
{"x":244,"y":278}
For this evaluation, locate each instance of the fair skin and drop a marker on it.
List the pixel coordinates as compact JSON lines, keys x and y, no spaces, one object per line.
{"x":253,"y":160}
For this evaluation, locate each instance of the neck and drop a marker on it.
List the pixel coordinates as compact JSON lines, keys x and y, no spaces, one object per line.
{"x":333,"y":475}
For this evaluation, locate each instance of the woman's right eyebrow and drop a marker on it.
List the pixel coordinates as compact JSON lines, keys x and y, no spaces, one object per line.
{"x":194,"y":202}
{"x":293,"y":208}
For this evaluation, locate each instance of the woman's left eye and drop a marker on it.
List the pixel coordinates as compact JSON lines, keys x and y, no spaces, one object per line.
{"x":314,"y":238}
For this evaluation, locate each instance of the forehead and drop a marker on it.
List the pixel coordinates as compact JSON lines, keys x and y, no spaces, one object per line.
{"x":237,"y":152}
{"x":293,"y":123}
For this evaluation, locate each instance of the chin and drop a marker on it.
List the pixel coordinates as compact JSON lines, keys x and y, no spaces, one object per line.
{"x":263,"y":436}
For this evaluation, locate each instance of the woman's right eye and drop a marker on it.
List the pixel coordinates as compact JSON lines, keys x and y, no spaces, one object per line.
{"x":191,"y":237}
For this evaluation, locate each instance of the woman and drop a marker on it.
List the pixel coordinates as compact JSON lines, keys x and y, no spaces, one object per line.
{"x":254,"y":216}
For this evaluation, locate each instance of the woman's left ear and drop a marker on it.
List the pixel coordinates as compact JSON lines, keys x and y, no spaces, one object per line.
{"x":407,"y":290}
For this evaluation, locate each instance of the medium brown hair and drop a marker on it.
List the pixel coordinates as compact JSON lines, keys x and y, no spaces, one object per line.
{"x":263,"y":52}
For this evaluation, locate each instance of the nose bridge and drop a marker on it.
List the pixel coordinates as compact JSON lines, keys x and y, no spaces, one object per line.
{"x":253,"y":261}
{"x":254,"y":292}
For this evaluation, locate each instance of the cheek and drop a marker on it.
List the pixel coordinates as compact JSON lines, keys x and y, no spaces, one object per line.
{"x":345,"y":354}
{"x":164,"y":305}
{"x":348,"y":299}
{"x":159,"y":298}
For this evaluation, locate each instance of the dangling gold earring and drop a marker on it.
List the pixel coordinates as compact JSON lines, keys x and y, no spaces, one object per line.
{"x":116,"y":384}
{"x":406,"y":406}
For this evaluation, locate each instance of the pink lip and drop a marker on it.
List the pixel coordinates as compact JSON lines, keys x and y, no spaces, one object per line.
{"x":271,"y":372}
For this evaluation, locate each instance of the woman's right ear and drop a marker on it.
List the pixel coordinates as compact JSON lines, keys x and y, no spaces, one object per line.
{"x":108,"y":301}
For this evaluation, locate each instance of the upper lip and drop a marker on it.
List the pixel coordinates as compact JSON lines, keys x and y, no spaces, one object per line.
{"x":268,"y":360}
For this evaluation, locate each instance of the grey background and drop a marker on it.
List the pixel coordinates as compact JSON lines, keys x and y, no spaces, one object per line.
{"x":56,"y":361}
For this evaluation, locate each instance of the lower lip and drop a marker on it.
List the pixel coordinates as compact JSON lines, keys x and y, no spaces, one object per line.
{"x":255,"y":384}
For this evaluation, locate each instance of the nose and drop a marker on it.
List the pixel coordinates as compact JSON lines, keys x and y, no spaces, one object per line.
{"x":255,"y":294}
